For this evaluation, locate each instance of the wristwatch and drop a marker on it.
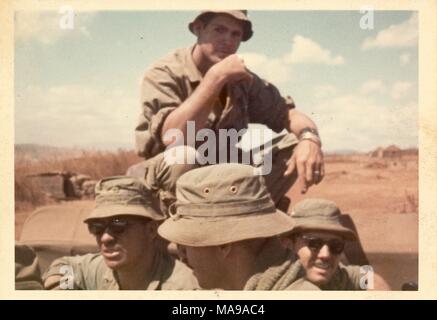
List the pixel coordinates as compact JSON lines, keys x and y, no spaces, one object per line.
{"x":308,"y":129}
{"x":310,"y":134}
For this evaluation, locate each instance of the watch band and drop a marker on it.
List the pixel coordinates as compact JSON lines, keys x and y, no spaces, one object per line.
{"x":308,"y":129}
{"x":312,"y":137}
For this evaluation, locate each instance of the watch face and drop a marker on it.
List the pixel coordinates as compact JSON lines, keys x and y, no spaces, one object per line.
{"x":308,"y":129}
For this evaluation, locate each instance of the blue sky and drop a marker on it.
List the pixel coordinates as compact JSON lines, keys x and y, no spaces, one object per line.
{"x":80,"y":87}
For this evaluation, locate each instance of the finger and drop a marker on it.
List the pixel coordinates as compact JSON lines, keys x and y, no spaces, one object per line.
{"x":321,"y":167}
{"x":317,"y":171}
{"x":317,"y":175}
{"x":248,"y":76}
{"x":309,"y":172}
{"x":291,"y":163}
{"x":322,"y":171}
{"x":301,"y":175}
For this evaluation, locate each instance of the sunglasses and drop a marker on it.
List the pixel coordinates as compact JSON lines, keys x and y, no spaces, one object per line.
{"x":115,"y":226}
{"x":336,"y":246}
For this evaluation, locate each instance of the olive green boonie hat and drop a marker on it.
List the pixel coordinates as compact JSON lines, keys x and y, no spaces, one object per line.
{"x":319,"y":215}
{"x":121,"y":195}
{"x":220,"y":204}
{"x":240,"y":15}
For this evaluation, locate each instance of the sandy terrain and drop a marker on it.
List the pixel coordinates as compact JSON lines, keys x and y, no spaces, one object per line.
{"x":381,"y":196}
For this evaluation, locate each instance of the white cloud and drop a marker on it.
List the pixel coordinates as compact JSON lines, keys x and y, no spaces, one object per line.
{"x":404,"y":34}
{"x":398,"y":90}
{"x":305,"y":50}
{"x":373,"y":86}
{"x":75,"y":115}
{"x":404,"y":59}
{"x":401,"y":89}
{"x":358,"y":123}
{"x":43,"y":26}
{"x":278,"y":69}
{"x":324,"y":91}
{"x":273,"y":70}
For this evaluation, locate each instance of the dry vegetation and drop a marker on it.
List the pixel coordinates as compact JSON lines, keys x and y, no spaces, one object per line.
{"x":96,"y":164}
{"x":388,"y":185}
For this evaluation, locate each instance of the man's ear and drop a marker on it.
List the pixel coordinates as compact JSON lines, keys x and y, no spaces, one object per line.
{"x":287,"y":242}
{"x":182,"y":253}
{"x":152,"y":229}
{"x":225,"y":249}
{"x":198,"y":27}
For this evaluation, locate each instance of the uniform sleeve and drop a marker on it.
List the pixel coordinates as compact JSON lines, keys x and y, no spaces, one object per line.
{"x":179,"y":277}
{"x":345,"y":278}
{"x":267,"y":106}
{"x":159,"y":97}
{"x":75,"y":272}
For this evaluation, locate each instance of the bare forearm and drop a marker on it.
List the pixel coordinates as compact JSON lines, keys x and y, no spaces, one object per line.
{"x":196,"y":108}
{"x":298,"y":121}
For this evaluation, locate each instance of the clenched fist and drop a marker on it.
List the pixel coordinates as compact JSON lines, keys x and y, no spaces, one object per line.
{"x":232,"y":69}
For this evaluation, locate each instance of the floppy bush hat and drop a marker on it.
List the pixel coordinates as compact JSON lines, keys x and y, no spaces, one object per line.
{"x":220,"y":204}
{"x":319,"y":215}
{"x":121,"y":195}
{"x":240,"y":15}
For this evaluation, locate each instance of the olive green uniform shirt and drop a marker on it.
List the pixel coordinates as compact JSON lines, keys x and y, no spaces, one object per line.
{"x":89,"y":272}
{"x":345,"y":278}
{"x":171,"y":80}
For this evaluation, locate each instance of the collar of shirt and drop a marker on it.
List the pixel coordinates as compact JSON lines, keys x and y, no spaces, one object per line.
{"x":158,"y":271}
{"x":190,"y":67}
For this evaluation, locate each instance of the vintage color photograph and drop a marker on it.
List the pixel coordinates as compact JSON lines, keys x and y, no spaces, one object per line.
{"x":98,"y":93}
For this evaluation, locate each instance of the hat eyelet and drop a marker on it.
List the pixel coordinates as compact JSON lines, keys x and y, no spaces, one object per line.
{"x":206,"y":190}
{"x":233,"y":189}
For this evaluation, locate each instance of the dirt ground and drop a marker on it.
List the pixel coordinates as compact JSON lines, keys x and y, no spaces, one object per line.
{"x":381,"y":195}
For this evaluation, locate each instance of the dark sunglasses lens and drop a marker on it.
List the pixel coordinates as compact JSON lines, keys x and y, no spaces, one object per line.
{"x":96,"y":228}
{"x":315,"y":244}
{"x":336,"y":246}
{"x":117,"y":226}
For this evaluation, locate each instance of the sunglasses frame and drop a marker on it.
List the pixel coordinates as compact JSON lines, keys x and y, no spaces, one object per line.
{"x":110,"y":225}
{"x":330,"y":243}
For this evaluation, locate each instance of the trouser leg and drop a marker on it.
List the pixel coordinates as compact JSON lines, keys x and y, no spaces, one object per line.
{"x":160,"y":175}
{"x":279,"y":152}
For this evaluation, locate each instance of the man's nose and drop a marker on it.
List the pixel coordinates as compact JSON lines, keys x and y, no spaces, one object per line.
{"x":227,"y":37}
{"x":107,"y":238}
{"x":324,"y":252}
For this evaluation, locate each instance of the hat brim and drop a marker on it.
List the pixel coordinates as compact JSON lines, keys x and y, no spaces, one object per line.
{"x":247,"y":25}
{"x":344,"y":232}
{"x":203,"y":232}
{"x":107,"y":211}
